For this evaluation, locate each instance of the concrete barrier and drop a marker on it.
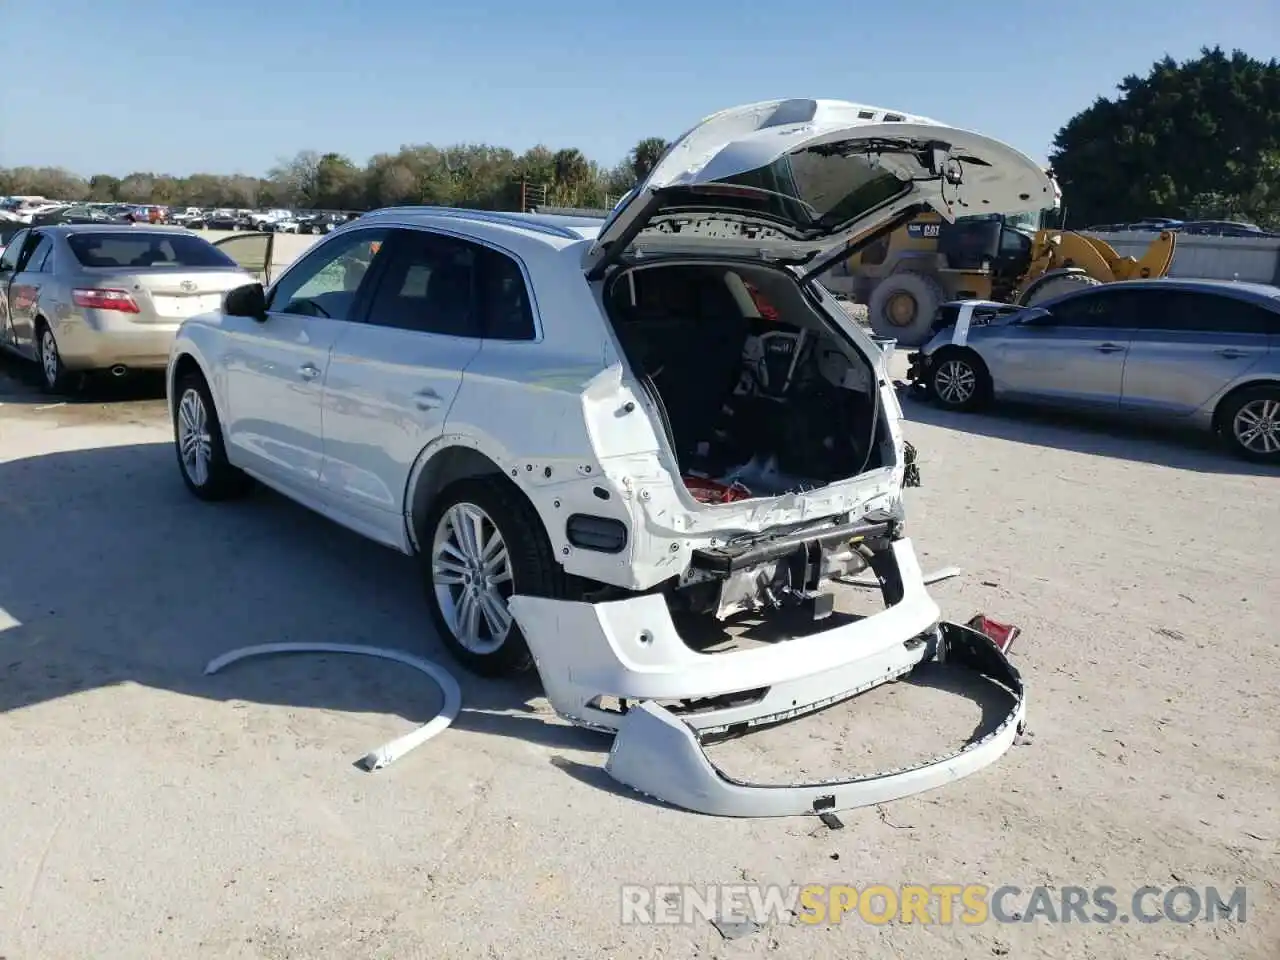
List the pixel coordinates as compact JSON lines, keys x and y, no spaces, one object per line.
{"x":1248,"y":259}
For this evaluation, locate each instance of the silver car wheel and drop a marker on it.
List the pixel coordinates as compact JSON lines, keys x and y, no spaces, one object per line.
{"x":49,"y":360}
{"x":194,"y":441}
{"x":471,"y":575}
{"x":955,"y":382}
{"x":1257,"y":426}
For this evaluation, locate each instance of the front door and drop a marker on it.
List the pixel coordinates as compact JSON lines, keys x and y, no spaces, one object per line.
{"x":1072,"y":355}
{"x":393,"y":378}
{"x":24,"y":290}
{"x":275,"y":368}
{"x":8,"y":269}
{"x":1189,"y":345}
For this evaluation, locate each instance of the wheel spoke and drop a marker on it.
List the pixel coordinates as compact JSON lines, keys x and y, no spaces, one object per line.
{"x":496,"y":616}
{"x":446,"y":571}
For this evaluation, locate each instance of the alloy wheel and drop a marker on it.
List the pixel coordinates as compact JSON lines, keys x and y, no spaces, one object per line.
{"x":49,"y":360}
{"x":955,"y":382}
{"x":471,"y":575}
{"x":194,"y":440}
{"x":1257,"y":426}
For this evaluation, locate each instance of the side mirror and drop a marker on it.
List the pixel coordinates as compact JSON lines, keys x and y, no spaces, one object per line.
{"x":1036,"y":318}
{"x":249,"y":300}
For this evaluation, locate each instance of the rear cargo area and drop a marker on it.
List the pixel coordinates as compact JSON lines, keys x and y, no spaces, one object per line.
{"x":758,"y":392}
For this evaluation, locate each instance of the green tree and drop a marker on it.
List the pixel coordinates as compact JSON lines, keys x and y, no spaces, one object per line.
{"x":645,"y":155}
{"x":1187,"y":138}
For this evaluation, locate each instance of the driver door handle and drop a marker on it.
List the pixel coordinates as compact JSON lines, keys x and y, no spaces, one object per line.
{"x":1110,"y":347}
{"x":1231,"y":353}
{"x":309,"y":371}
{"x":426,"y":399}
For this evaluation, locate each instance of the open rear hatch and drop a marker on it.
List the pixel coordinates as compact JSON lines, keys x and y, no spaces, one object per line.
{"x":799,"y":181}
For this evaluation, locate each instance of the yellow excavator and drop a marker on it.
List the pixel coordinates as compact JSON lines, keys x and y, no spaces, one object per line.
{"x":903,"y":276}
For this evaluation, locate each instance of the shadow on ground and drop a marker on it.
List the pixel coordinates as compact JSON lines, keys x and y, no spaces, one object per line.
{"x":1102,"y":436}
{"x":115,"y":574}
{"x":20,"y":383}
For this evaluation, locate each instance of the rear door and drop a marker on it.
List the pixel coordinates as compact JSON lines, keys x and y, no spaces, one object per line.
{"x":252,"y":251}
{"x":1072,"y":356}
{"x":393,"y":378}
{"x":1189,"y":345}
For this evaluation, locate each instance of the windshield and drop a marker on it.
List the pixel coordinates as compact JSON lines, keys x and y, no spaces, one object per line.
{"x":820,"y":187}
{"x":136,"y":248}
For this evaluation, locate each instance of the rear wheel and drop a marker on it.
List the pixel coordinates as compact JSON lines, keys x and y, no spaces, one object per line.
{"x":54,"y":376}
{"x":903,"y":306}
{"x":958,"y":379}
{"x":482,"y":544}
{"x":1250,"y":423}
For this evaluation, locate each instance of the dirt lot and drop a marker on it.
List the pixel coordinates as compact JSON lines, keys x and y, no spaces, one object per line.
{"x":150,"y":811}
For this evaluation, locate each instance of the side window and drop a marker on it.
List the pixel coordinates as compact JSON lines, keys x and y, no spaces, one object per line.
{"x":1111,"y":308}
{"x":325,"y":282}
{"x":1211,"y":313}
{"x":430,"y":286}
{"x":40,"y":260}
{"x":506,"y":311}
{"x":13,"y":250}
{"x":29,"y":247}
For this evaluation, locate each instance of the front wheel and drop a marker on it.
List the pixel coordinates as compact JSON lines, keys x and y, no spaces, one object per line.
{"x":197,"y":436}
{"x":958,"y":380}
{"x":1251,"y":423}
{"x":483,"y":544}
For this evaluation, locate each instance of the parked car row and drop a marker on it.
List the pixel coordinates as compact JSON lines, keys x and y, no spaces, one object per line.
{"x":1201,"y":352}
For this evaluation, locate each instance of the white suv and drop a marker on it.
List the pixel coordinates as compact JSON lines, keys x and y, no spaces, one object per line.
{"x":591,"y":430}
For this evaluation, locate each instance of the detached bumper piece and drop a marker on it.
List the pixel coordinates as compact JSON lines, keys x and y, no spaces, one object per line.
{"x":917,"y":368}
{"x":671,"y":699}
{"x":661,"y":756}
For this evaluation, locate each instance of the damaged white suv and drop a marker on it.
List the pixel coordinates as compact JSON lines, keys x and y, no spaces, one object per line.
{"x":592,"y":431}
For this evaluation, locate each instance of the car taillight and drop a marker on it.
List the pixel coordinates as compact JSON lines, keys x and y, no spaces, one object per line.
{"x":93,"y":298}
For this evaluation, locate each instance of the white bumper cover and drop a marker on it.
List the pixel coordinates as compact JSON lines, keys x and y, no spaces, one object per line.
{"x":630,"y":650}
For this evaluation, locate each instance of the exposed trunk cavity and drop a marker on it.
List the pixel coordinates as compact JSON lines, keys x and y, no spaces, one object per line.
{"x":759,"y":391}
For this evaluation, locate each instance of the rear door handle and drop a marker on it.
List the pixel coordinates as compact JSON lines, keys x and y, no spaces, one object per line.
{"x":309,"y":371}
{"x":1231,"y":353}
{"x":426,"y":399}
{"x":1110,"y":347}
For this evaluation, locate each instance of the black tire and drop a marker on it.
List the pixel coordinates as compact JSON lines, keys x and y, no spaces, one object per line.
{"x":1057,"y":286}
{"x":903,"y":306}
{"x":534,"y":570}
{"x":55,"y":378}
{"x":221,"y":480}
{"x":958,"y":379}
{"x":1252,"y":407}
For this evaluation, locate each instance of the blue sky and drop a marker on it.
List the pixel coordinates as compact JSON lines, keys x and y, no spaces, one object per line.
{"x":229,"y":86}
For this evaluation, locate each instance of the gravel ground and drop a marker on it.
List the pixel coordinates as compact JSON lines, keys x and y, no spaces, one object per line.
{"x":149,"y":811}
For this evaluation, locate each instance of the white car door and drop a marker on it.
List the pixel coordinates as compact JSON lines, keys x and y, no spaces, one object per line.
{"x":393,"y":378}
{"x":274,"y":368}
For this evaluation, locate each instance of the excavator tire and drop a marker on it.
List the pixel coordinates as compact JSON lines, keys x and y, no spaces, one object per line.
{"x":903,"y":306}
{"x":1067,"y":283}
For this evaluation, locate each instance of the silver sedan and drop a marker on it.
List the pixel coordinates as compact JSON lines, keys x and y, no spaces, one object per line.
{"x":81,"y":298}
{"x":1201,"y":352}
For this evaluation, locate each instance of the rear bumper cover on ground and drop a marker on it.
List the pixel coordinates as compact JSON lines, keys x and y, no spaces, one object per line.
{"x":674,"y":696}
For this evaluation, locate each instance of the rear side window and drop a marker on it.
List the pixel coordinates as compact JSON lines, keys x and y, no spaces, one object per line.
{"x":506,"y":312}
{"x":138,"y":248}
{"x":39,"y":262}
{"x":1199,"y":312}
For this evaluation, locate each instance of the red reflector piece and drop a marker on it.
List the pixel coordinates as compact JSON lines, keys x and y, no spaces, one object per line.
{"x":95,"y":298}
{"x":706,"y":490}
{"x":1001,"y":634}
